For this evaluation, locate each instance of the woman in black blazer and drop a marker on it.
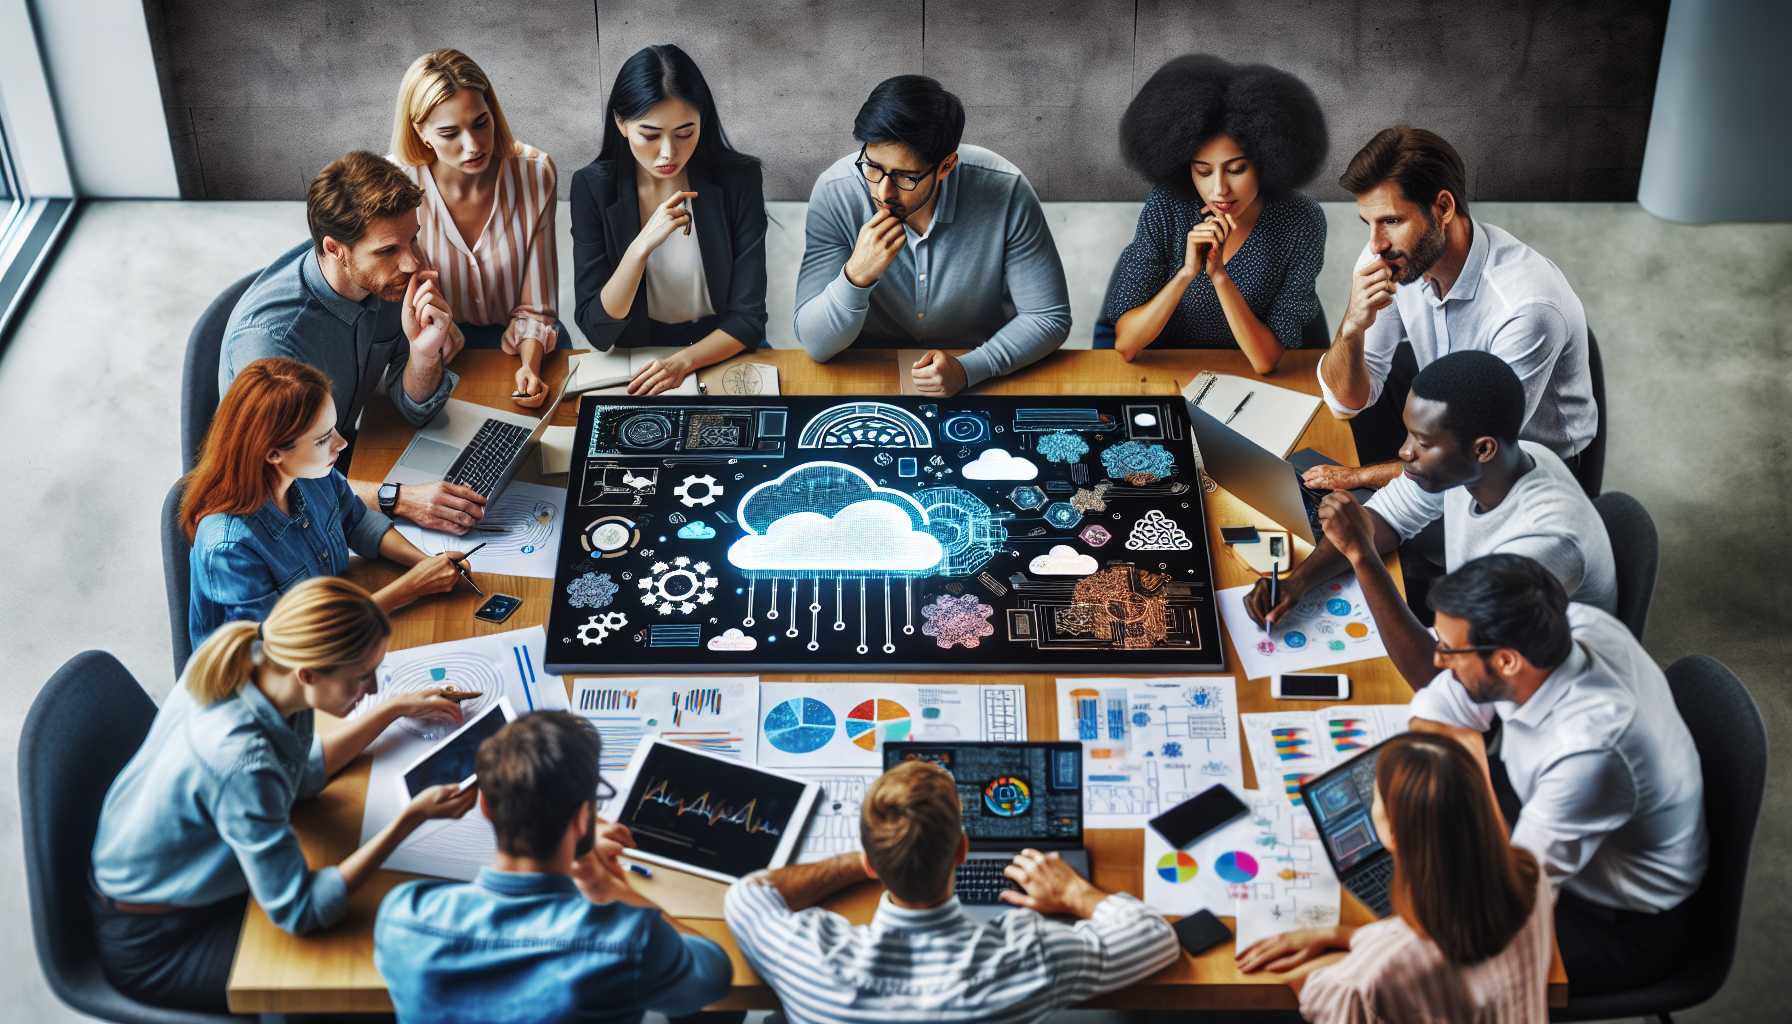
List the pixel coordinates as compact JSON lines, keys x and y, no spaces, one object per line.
{"x":668,"y":226}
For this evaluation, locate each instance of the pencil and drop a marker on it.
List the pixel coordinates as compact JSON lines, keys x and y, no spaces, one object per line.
{"x":460,"y":566}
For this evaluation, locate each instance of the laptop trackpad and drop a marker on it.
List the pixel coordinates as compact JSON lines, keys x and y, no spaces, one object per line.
{"x":429,"y":457}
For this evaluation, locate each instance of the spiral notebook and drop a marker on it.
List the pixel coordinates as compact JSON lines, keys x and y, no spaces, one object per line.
{"x":1274,"y":417}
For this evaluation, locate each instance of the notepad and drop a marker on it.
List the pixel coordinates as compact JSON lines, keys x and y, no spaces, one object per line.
{"x":608,"y":373}
{"x":1274,"y":417}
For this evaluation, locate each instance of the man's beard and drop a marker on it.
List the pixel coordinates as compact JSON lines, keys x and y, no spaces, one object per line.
{"x":1425,"y":255}
{"x":382,"y":287}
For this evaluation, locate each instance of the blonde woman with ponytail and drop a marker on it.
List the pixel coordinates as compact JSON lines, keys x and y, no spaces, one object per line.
{"x":199,"y":820}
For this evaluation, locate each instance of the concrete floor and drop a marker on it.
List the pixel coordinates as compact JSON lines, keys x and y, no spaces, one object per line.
{"x":1691,"y":321}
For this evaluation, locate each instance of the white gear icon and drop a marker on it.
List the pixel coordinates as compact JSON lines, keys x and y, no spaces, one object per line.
{"x":600,"y":627}
{"x":708,"y":490}
{"x":679,"y":587}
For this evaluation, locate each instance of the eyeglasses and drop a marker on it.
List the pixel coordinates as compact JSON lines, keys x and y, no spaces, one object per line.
{"x":875,"y":174}
{"x":605,"y":792}
{"x":1470,"y":649}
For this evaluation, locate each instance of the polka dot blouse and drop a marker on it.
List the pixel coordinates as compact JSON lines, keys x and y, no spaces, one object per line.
{"x":1274,"y":270}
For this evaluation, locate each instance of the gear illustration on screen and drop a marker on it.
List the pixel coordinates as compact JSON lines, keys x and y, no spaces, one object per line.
{"x":600,"y":627}
{"x":699,"y":490}
{"x":677,"y":587}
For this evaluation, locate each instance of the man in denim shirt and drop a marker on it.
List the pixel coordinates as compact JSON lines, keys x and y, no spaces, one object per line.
{"x":553,"y":925}
{"x":354,"y":303}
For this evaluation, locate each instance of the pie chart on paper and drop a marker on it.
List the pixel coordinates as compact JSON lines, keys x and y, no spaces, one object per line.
{"x":1177,"y":867}
{"x":801,"y":725}
{"x":876,"y":722}
{"x":1236,"y":867}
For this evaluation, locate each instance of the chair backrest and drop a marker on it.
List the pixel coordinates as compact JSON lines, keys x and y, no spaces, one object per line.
{"x":177,"y":576}
{"x":1591,"y":471}
{"x":1636,"y":550}
{"x":83,"y":727}
{"x":199,"y":372}
{"x":1727,"y":728}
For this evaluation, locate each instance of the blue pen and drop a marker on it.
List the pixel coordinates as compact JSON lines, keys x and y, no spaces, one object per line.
{"x":639,"y":870}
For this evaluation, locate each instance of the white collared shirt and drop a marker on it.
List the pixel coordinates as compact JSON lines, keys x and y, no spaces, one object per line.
{"x":1613,"y":793}
{"x":1511,"y":301}
{"x":938,"y":964}
{"x":677,"y":287}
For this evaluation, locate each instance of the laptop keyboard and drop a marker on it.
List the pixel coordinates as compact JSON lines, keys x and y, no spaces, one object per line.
{"x":1373,"y":885}
{"x":982,"y":881}
{"x":485,"y":458}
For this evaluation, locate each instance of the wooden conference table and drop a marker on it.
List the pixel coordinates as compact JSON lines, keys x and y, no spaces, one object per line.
{"x":333,"y":972}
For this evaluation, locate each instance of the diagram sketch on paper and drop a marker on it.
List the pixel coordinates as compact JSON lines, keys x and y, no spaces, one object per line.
{"x":834,"y":823}
{"x":1149,"y":744}
{"x":1293,"y":886}
{"x":529,"y":516}
{"x":1329,"y":625}
{"x":830,"y":726}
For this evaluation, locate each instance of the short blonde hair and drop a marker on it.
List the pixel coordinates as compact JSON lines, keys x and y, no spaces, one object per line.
{"x":322,"y":624}
{"x":429,"y":80}
{"x":910,"y":827}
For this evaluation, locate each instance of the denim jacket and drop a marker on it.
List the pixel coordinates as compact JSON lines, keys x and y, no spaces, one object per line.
{"x":479,"y":951}
{"x":241,"y":564}
{"x":202,"y":812}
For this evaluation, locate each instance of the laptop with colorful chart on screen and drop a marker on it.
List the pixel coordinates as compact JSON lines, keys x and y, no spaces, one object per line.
{"x":1014,"y":796}
{"x":1340,"y":803}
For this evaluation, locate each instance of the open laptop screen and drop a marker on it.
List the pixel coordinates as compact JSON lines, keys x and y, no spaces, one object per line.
{"x":1340,"y":802}
{"x":1013,"y":794}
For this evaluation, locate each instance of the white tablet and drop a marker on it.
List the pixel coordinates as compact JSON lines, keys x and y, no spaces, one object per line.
{"x":451,"y":761}
{"x":710,"y":815}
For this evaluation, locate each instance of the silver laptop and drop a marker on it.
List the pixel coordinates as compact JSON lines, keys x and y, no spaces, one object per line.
{"x":1014,"y":796}
{"x":1261,"y":479}
{"x":475,"y":446}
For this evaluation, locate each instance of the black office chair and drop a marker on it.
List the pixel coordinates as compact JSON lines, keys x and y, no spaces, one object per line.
{"x":177,"y":576}
{"x":83,"y":727}
{"x":1591,"y":469}
{"x":1732,"y":740}
{"x":1636,"y":552}
{"x":199,"y":373}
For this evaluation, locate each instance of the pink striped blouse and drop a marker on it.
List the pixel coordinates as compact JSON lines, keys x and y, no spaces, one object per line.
{"x":511,"y":275}
{"x":1393,"y":975}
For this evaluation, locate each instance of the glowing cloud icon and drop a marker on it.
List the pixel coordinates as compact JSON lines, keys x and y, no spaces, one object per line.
{"x":732,"y":640}
{"x":830,"y":519}
{"x":697,"y":529}
{"x":1062,"y":560}
{"x":996,"y":464}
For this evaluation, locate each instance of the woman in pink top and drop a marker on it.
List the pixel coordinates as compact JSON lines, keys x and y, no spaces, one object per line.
{"x":487,"y":219}
{"x":1470,"y":938}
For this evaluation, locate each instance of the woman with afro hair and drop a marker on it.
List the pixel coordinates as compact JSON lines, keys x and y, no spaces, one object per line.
{"x":1226,"y":250}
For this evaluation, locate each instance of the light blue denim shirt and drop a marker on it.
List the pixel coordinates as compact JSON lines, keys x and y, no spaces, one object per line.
{"x":479,"y":951}
{"x":241,"y":564}
{"x":202,"y":812}
{"x":291,"y":311}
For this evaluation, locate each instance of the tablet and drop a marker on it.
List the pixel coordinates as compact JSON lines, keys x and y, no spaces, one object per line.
{"x":710,"y":815}
{"x":451,"y":761}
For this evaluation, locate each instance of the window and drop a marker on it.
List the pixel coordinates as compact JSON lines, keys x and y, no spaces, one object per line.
{"x":35,"y":193}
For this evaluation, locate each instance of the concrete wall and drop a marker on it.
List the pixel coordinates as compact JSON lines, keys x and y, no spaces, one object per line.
{"x":1546,"y":100}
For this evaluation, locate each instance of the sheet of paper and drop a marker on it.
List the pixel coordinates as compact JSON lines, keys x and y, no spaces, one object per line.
{"x":1329,"y":625}
{"x":1149,"y":744}
{"x":742,"y":379}
{"x":834,"y":825}
{"x":807,"y":726}
{"x":1202,"y":876}
{"x":1290,"y":747}
{"x":715,"y":714}
{"x":619,"y":365}
{"x":555,"y":450}
{"x":496,"y":665}
{"x":528,"y":516}
{"x":1290,"y":883}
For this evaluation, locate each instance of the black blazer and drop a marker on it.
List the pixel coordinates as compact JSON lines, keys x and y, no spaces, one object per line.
{"x":730,"y":215}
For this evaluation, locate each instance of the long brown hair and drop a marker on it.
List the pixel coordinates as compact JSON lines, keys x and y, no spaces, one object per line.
{"x":1457,"y":879}
{"x":322,"y":624}
{"x":270,"y":403}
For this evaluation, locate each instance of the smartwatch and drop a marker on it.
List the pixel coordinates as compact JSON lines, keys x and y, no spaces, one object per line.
{"x":389,"y":498}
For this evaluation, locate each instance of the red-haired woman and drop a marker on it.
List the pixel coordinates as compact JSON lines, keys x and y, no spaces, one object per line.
{"x":1470,"y":937}
{"x":265,"y":507}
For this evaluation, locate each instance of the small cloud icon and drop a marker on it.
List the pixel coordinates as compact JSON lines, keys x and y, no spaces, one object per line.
{"x":1062,"y":560}
{"x":697,"y":529}
{"x":732,"y":640}
{"x":996,"y":464}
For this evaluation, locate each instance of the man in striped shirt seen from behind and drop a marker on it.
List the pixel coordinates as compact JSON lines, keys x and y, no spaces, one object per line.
{"x":921,"y":957}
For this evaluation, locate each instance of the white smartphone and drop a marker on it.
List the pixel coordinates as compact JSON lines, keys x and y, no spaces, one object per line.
{"x":1310,"y":686}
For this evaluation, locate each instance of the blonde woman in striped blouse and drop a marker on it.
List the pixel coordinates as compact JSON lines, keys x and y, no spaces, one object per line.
{"x":1470,"y":938}
{"x":487,"y":219}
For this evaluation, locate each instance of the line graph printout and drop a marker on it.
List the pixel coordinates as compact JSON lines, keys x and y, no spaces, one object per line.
{"x":810,"y":726}
{"x":1149,"y":744}
{"x":496,"y":665}
{"x":1290,"y":747}
{"x":715,"y":714}
{"x":521,"y":531}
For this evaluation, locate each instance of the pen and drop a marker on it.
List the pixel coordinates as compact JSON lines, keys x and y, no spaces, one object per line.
{"x":1241,"y":405}
{"x":1274,"y":567}
{"x":460,"y":566}
{"x":490,"y":529}
{"x":639,"y":870}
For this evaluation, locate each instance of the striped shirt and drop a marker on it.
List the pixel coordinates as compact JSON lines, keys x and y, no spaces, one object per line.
{"x":938,"y":964}
{"x":511,"y":275}
{"x":1392,"y":974}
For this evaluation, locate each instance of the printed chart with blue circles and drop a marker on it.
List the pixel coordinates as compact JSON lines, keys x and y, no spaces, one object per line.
{"x":801,"y":725}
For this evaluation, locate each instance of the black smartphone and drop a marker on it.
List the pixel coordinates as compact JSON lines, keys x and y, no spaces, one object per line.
{"x":498,"y":607}
{"x":1201,"y":931}
{"x":1238,"y":534}
{"x":1198,"y":815}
